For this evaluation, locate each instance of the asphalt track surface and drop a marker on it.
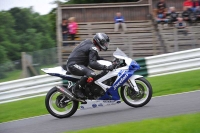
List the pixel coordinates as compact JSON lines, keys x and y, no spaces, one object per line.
{"x":164,"y":106}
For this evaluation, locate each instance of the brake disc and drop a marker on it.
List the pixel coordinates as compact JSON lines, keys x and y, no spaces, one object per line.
{"x":60,"y":101}
{"x":134,"y":95}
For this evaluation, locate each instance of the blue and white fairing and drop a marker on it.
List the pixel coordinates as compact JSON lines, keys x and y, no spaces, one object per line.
{"x":123,"y":74}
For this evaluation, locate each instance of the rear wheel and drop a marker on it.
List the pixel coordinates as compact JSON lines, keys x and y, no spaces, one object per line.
{"x":133,"y":99}
{"x":59,"y":105}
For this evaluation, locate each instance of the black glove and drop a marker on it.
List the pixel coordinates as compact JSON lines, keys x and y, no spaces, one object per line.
{"x":110,"y":68}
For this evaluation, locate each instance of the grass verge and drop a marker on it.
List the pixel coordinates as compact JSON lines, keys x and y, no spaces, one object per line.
{"x":22,"y":109}
{"x":162,"y":85}
{"x":176,"y":124}
{"x":13,"y":75}
{"x":175,"y":83}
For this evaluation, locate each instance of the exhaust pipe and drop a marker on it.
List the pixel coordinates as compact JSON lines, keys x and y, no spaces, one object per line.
{"x":67,"y":93}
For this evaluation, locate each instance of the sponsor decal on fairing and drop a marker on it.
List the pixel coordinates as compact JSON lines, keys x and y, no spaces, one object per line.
{"x":94,"y":105}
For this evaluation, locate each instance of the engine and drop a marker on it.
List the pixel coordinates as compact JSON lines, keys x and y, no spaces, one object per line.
{"x":93,"y":91}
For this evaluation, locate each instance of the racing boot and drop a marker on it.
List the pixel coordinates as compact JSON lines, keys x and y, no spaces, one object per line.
{"x":77,"y":88}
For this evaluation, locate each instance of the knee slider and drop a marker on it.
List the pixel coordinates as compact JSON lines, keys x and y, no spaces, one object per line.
{"x":92,"y":74}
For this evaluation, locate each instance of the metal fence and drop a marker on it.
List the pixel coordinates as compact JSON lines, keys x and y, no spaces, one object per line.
{"x":32,"y":62}
{"x":46,"y":57}
{"x":29,"y":65}
{"x":10,"y":70}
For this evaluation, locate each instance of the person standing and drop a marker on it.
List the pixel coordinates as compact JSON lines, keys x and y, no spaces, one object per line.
{"x":64,"y":27}
{"x":72,"y":26}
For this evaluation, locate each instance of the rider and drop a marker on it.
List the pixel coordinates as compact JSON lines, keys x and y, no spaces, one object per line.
{"x":84,"y":55}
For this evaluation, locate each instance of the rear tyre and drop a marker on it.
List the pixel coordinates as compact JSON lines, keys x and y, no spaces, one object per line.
{"x":59,"y":105}
{"x":133,"y":99}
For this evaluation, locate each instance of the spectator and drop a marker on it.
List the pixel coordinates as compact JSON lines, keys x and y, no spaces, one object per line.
{"x":119,"y":21}
{"x":192,"y":17}
{"x":173,"y":15}
{"x":72,"y":26}
{"x":186,"y":14}
{"x":188,"y":4}
{"x":196,"y":4}
{"x":161,"y":5}
{"x":161,"y":16}
{"x":64,"y":29}
{"x":180,"y":24}
{"x":197,"y":14}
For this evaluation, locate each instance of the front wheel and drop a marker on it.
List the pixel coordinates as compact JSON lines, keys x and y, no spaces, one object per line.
{"x":59,"y":105}
{"x":133,"y":99}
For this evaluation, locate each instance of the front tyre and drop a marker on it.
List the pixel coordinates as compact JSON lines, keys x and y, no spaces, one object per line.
{"x":133,"y":99}
{"x":59,"y":105}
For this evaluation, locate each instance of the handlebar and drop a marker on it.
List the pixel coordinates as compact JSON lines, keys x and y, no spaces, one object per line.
{"x":118,"y":63}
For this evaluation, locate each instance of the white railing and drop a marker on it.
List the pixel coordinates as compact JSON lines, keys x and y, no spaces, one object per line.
{"x":27,"y":88}
{"x":39,"y":85}
{"x":173,"y":62}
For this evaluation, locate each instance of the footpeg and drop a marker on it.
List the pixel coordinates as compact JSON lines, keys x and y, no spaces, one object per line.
{"x":83,"y":102}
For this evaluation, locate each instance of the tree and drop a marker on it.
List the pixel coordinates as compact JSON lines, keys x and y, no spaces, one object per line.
{"x":23,"y":18}
{"x":7,"y":23}
{"x":2,"y":60}
{"x":12,"y":50}
{"x":8,"y":35}
{"x":3,"y":54}
{"x":23,"y":30}
{"x":52,"y":18}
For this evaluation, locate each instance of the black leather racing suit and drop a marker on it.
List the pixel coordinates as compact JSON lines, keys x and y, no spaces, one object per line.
{"x":85,"y":54}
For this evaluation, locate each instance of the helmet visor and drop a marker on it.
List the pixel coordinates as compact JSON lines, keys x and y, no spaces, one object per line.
{"x":106,"y":44}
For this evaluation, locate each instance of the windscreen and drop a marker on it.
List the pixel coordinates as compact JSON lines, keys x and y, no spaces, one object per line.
{"x":118,"y":53}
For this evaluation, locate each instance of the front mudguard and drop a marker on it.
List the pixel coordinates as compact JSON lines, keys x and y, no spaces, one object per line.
{"x":135,"y":77}
{"x":133,"y":83}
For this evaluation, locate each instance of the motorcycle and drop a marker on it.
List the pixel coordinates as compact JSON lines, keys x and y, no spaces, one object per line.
{"x":105,"y":90}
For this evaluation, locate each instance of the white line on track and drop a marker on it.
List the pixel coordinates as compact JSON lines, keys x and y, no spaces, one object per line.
{"x":49,"y":114}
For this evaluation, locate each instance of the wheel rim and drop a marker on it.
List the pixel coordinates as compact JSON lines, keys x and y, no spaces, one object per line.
{"x":137,"y":99}
{"x":60,"y":108}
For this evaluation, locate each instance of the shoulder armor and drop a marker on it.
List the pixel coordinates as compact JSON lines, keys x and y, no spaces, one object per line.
{"x":95,"y":48}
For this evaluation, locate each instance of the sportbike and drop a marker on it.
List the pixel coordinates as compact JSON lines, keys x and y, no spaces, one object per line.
{"x":108,"y":88}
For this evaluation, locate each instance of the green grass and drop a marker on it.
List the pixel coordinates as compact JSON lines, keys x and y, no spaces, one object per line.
{"x":13,"y":75}
{"x":175,"y":83}
{"x":176,"y":124}
{"x":167,"y":84}
{"x":22,"y":109}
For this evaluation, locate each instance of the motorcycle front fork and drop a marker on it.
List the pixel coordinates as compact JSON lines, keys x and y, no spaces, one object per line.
{"x":133,"y":85}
